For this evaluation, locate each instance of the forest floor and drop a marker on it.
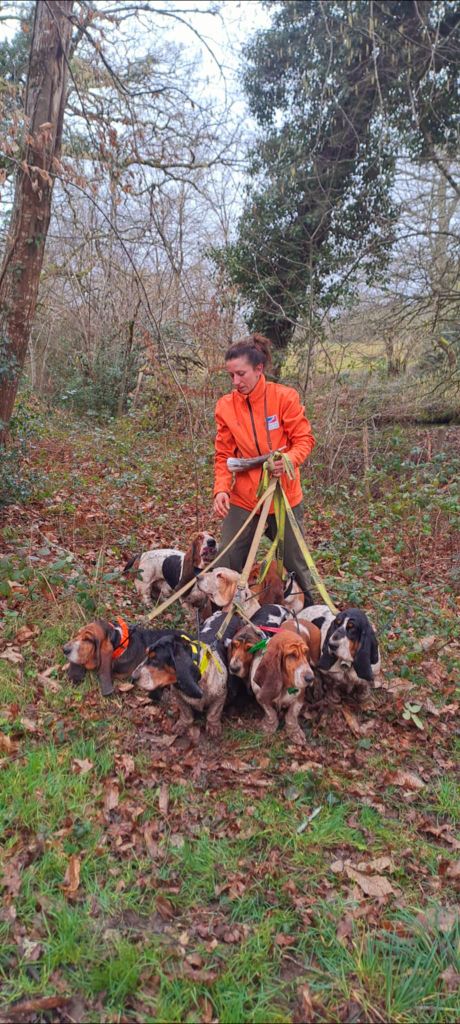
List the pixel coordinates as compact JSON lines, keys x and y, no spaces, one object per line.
{"x":149,"y":878}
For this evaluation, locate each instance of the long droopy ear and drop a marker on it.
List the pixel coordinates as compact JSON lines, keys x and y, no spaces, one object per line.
{"x":314,"y":643}
{"x":362,"y":660}
{"x":269,"y":676}
{"x":327,"y":660}
{"x":105,"y":667}
{"x":188,"y":565}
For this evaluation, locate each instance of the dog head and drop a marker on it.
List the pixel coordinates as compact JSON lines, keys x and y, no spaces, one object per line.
{"x":170,"y":660}
{"x":283,"y":667}
{"x":240,"y":655}
{"x":221,"y":584}
{"x":201,"y":551}
{"x":91,"y":650}
{"x":351,"y":642}
{"x":271,"y":590}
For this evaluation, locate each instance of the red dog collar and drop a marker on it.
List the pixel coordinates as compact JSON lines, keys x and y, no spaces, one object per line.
{"x":124,"y":639}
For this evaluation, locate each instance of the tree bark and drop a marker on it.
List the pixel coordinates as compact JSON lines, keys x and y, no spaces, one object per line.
{"x":44,"y":115}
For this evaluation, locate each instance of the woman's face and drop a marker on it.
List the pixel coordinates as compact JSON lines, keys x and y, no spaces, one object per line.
{"x":244,"y":375}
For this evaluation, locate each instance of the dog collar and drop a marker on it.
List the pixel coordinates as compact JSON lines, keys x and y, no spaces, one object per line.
{"x":124,"y":638}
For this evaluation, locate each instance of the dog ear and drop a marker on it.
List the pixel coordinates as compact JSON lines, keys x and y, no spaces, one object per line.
{"x":187,"y":673}
{"x":327,"y":660}
{"x":269,"y":676}
{"x":188,"y":565}
{"x":362,"y":660}
{"x":105,"y":652}
{"x":375,"y":653}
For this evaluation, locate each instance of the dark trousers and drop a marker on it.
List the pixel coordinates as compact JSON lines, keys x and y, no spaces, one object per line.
{"x":237,"y":554}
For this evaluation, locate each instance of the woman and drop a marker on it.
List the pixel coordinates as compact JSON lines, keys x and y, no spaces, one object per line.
{"x":257,"y":417}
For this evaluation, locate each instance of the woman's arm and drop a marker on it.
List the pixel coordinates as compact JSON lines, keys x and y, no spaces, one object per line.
{"x":297,"y":427}
{"x":225,"y":448}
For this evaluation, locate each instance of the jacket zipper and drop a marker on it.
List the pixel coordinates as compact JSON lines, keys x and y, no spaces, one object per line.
{"x":253,"y":426}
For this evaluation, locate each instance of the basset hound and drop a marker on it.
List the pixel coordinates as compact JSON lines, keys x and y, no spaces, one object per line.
{"x":280,"y":676}
{"x":108,"y":648}
{"x":200,"y":675}
{"x":163,"y":570}
{"x":203,"y":663}
{"x":220,"y":587}
{"x":350,"y":659}
{"x":271,"y":589}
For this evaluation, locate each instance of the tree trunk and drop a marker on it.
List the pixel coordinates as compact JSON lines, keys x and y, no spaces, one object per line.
{"x":44,"y":114}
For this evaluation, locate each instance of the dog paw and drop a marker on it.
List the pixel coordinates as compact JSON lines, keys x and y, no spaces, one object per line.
{"x":214,"y":730}
{"x":297,"y":737}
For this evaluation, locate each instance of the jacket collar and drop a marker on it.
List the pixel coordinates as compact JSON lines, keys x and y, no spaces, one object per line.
{"x":256,"y":393}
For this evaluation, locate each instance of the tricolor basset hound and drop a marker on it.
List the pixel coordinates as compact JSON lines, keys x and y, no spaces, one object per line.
{"x":163,"y":570}
{"x":108,"y":648}
{"x":200,"y":675}
{"x":350,"y":659}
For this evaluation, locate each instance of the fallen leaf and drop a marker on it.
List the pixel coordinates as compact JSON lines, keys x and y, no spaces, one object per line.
{"x":31,"y":950}
{"x":6,"y":744}
{"x":449,"y":869}
{"x":351,"y":721}
{"x":163,"y":799}
{"x":307,"y":1012}
{"x":111,"y":795}
{"x":426,"y":642}
{"x":372,"y":885}
{"x":451,"y":978}
{"x":380,"y":864}
{"x":124,"y":687}
{"x":25,"y":634}
{"x":28,"y":724}
{"x":337,"y":866}
{"x":11,"y":879}
{"x":71,"y":881}
{"x":164,"y":908}
{"x":81,"y":765}
{"x":405,"y":779}
{"x":150,"y":842}
{"x":127,"y":762}
{"x":10,"y":654}
{"x":41,"y":1003}
{"x":345,"y":928}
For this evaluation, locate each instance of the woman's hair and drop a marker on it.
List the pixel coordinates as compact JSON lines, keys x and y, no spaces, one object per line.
{"x":256,"y":349}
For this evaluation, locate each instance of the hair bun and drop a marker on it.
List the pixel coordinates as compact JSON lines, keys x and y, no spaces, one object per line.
{"x":264,"y":344}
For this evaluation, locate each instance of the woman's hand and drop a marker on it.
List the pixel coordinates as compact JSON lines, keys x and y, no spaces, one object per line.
{"x":221,"y":504}
{"x":278,"y":468}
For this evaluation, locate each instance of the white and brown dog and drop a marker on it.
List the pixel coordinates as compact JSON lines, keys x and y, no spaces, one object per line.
{"x":280,"y":674}
{"x":221,"y":587}
{"x":163,"y":570}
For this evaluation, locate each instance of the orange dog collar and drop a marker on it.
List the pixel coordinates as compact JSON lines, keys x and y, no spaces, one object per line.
{"x":124,"y":639}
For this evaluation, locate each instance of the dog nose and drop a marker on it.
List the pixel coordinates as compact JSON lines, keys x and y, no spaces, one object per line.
{"x":67,"y":648}
{"x":309,"y":677}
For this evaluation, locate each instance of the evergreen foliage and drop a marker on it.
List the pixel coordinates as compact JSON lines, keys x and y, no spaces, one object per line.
{"x":338,"y":90}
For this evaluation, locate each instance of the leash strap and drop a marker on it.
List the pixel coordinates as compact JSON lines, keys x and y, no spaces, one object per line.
{"x":320,"y":586}
{"x":187,"y":586}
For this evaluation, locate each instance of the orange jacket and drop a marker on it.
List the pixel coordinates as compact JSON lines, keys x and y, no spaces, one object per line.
{"x":269,"y":418}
